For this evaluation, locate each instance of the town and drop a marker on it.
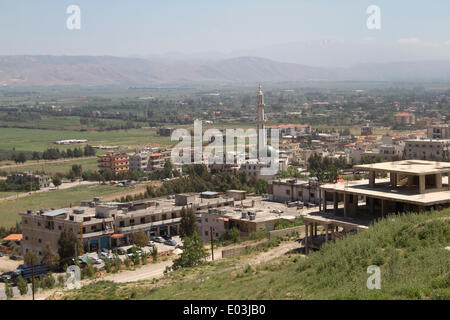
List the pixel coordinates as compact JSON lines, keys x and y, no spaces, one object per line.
{"x":364,"y":177}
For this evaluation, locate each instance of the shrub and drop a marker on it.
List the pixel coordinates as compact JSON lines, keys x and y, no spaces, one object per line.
{"x":22,"y":284}
{"x":8,"y":290}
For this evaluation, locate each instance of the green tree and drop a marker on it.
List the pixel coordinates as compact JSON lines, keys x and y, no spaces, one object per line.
{"x":139,"y":238}
{"x":188,"y":222}
{"x":235,"y":235}
{"x":31,"y":259}
{"x":48,"y":257}
{"x":194,"y":252}
{"x":68,"y":246}
{"x":8,"y":290}
{"x":56,"y":181}
{"x":154,"y":254}
{"x":22,"y":284}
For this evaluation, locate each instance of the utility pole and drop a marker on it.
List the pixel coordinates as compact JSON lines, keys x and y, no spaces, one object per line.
{"x":32,"y":280}
{"x":212,"y":243}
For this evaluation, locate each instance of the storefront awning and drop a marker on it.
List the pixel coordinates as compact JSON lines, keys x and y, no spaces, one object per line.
{"x":116,"y":235}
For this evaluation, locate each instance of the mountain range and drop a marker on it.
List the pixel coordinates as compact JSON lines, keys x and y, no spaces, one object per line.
{"x":41,"y":70}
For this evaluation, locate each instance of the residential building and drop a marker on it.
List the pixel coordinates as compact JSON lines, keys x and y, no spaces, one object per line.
{"x":139,"y":161}
{"x":117,"y":162}
{"x":291,"y":189}
{"x":25,"y":178}
{"x":438,"y":131}
{"x":404,"y":118}
{"x":427,"y":149}
{"x":107,"y":225}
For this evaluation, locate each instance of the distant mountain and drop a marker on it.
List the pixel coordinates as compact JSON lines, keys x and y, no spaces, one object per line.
{"x":107,"y":70}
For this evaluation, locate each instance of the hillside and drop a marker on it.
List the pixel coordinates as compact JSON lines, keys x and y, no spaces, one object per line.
{"x":116,"y":71}
{"x":409,"y":250}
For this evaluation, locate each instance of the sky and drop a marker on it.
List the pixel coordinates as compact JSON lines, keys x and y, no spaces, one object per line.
{"x":150,"y":27}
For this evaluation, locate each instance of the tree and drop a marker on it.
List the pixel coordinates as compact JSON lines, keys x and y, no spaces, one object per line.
{"x":235,"y":235}
{"x":140,"y":238}
{"x":168,"y":168}
{"x":31,"y":259}
{"x":22,"y":284}
{"x":8,"y":290}
{"x":56,"y":181}
{"x":193,"y":254}
{"x":154,"y":254}
{"x":20,"y":158}
{"x":68,"y":246}
{"x":188,"y":222}
{"x":48,"y":257}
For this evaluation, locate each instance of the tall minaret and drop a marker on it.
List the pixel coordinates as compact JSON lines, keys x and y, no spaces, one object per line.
{"x":261,"y":142}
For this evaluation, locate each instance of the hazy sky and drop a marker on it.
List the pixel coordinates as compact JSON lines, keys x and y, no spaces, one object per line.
{"x":136,"y":27}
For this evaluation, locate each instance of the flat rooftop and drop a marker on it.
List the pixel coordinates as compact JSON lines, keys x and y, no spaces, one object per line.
{"x":414,"y":167}
{"x":383,"y":191}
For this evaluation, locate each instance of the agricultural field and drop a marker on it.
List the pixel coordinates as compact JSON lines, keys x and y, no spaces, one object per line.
{"x":52,"y":167}
{"x":39,"y":140}
{"x":9,"y":210}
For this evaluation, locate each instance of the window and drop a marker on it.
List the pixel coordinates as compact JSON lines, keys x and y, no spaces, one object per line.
{"x":206,"y":219}
{"x":143,"y":220}
{"x":206,"y":233}
{"x":121,"y":224}
{"x":288,"y":192}
{"x":40,"y":240}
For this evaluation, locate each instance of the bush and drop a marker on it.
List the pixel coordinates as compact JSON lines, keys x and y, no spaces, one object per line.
{"x":22,"y":284}
{"x":154,"y":254}
{"x":50,"y":281}
{"x":258,"y":235}
{"x":235,"y":235}
{"x":61,"y":280}
{"x":8,"y":290}
{"x":107,"y":265}
{"x":127,"y":262}
{"x":90,"y":270}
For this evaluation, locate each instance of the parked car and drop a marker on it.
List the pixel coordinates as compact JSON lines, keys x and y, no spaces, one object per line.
{"x":159,"y":239}
{"x":121,"y":251}
{"x":167,"y":237}
{"x":14,"y":257}
{"x":1,"y":254}
{"x":104,"y":255}
{"x":151,"y":243}
{"x":11,"y":276}
{"x":96,"y":260}
{"x":104,"y":250}
{"x":170,"y":242}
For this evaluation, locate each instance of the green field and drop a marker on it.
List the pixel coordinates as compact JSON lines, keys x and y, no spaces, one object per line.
{"x":409,"y":250}
{"x":9,"y":210}
{"x":4,"y":194}
{"x":51,"y":168}
{"x":39,"y":140}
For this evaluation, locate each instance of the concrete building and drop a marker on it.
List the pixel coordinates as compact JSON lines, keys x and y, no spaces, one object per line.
{"x":165,"y":132}
{"x":366,"y":131}
{"x":427,"y":149}
{"x":412,"y":186}
{"x":117,"y":162}
{"x":25,"y":178}
{"x":111,"y":224}
{"x":289,"y":190}
{"x":139,"y":161}
{"x":438,"y":131}
{"x":404,"y":118}
{"x":248,"y":218}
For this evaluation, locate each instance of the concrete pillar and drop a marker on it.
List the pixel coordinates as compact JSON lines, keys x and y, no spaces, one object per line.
{"x":371,"y":179}
{"x":393,"y":178}
{"x":335,"y":202}
{"x":346,"y":204}
{"x":372,"y":205}
{"x":438,"y":180}
{"x":168,"y":230}
{"x":384,"y":204}
{"x":410,"y":181}
{"x":326,"y":233}
{"x":306,"y":238}
{"x":324,"y":199}
{"x":421,"y":184}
